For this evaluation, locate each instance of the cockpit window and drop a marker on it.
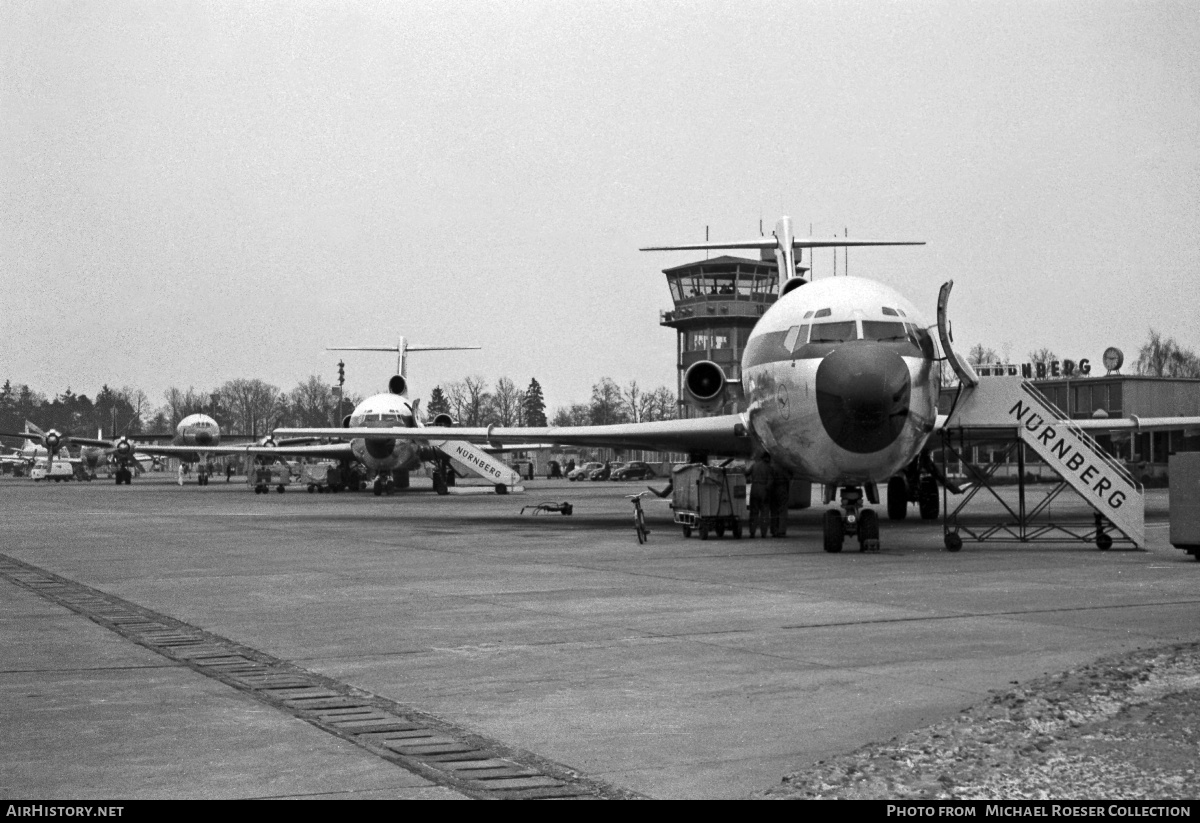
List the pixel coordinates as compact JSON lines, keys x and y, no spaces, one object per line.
{"x":823,"y":312}
{"x":888,"y":312}
{"x":833,"y":332}
{"x":884,"y":330}
{"x":796,"y":337}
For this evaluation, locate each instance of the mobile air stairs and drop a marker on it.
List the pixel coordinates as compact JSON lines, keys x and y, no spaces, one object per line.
{"x":1007,"y":414}
{"x":465,"y":458}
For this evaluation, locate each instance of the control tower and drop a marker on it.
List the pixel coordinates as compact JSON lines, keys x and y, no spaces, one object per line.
{"x":717,"y":303}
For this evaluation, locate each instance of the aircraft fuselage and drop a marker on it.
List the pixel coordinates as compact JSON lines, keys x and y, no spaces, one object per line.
{"x":384,"y":454}
{"x":841,"y":382}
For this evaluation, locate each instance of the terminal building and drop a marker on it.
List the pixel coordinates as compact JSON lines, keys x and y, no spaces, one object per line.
{"x":717,"y":303}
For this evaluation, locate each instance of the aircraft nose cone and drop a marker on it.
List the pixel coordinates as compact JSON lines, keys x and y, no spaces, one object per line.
{"x":862,"y":396}
{"x":203,"y":438}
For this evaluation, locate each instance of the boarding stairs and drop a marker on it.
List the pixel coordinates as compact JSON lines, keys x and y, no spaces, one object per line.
{"x":467,"y":458}
{"x":1010,"y":408}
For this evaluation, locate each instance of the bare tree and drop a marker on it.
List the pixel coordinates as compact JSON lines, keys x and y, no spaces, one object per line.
{"x":468,"y":400}
{"x":579,"y":414}
{"x":980,"y":354}
{"x":312,"y":403}
{"x":1163,"y":357}
{"x":637,"y":402}
{"x":506,"y":403}
{"x":254,"y":405}
{"x":662,"y":404}
{"x":607,"y":405}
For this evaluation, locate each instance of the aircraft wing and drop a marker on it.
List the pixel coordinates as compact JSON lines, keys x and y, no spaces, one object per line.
{"x":1126,"y":425}
{"x":1134,"y":424}
{"x":726,"y":435}
{"x":330,"y":451}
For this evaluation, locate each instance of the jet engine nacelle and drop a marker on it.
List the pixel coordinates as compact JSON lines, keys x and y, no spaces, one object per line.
{"x":398,"y":385}
{"x":443,"y":421}
{"x":705,"y":386}
{"x":124,"y":448}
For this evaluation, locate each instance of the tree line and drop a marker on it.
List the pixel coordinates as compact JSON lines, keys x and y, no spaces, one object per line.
{"x":253,"y":407}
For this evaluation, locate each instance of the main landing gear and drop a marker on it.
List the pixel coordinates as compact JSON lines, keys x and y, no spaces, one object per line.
{"x":918,"y":483}
{"x":123,"y":476}
{"x":851,"y":520}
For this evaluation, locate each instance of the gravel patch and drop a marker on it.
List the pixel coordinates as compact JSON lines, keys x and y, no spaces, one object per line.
{"x":1122,"y":728}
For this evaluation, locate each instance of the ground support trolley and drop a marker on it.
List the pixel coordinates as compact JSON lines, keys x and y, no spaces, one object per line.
{"x":265,"y":477}
{"x":709,"y":499}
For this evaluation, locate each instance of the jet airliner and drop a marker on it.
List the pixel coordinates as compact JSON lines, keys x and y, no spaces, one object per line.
{"x":841,"y":381}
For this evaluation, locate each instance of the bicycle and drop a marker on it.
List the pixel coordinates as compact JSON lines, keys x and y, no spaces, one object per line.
{"x":639,"y":516}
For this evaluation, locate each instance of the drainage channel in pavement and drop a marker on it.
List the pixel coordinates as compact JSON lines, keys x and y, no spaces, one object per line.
{"x":428,"y":746}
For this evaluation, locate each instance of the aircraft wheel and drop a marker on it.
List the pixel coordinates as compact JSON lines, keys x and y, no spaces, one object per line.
{"x":953,"y":542}
{"x":311,"y":488}
{"x":897,"y":498}
{"x":927,"y":498}
{"x":868,"y":531}
{"x":501,"y":488}
{"x":1104,"y":542}
{"x":378,"y":487}
{"x":118,"y":478}
{"x":280,"y":488}
{"x":835,"y":531}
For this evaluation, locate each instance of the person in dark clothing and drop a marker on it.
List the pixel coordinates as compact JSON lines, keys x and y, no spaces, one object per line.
{"x":760,"y":494}
{"x":780,"y":489}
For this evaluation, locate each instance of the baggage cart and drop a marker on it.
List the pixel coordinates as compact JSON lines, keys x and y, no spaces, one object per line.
{"x":320,"y":477}
{"x":278,"y":475}
{"x":709,"y":499}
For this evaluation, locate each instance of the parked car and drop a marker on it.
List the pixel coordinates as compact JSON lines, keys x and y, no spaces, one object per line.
{"x":634,"y":470}
{"x":581,"y":472}
{"x":605,"y":472}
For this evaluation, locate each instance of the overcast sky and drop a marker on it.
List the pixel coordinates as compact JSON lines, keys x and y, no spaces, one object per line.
{"x":192,"y":192}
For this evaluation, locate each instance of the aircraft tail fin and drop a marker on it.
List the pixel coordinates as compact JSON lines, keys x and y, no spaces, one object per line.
{"x":402,"y":348}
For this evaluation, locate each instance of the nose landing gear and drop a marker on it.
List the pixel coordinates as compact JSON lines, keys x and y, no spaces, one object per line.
{"x":853,"y":519}
{"x":383,"y":484}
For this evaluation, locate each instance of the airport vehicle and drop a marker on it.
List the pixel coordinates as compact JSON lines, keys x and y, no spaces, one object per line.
{"x":639,"y":516}
{"x":839,"y":374}
{"x":633,"y":470}
{"x":584,"y":471}
{"x":57,"y":471}
{"x":708,"y":499}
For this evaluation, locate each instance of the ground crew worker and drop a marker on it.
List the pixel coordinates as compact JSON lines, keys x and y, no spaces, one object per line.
{"x":760,"y":494}
{"x":780,"y":491}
